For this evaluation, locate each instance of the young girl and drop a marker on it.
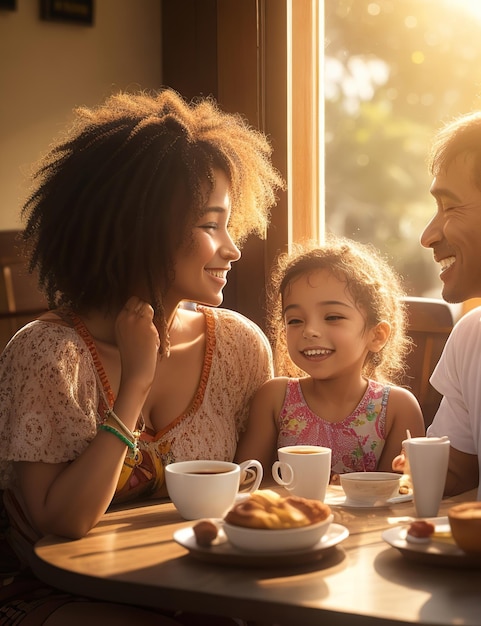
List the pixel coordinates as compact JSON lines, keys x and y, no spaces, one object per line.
{"x":336,"y":315}
{"x":135,"y":210}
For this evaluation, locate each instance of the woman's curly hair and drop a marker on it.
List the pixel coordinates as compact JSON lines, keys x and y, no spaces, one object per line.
{"x":372,"y":283}
{"x":116,"y":195}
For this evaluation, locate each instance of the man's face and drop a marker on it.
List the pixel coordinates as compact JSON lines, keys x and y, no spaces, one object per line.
{"x":454,"y":233}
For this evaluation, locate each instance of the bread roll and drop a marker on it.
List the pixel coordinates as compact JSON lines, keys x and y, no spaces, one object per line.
{"x":465,"y":522}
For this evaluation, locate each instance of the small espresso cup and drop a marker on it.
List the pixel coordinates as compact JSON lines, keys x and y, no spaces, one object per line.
{"x":203,"y":488}
{"x":303,"y":470}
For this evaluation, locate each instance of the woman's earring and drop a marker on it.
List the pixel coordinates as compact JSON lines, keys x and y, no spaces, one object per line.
{"x":167,"y":345}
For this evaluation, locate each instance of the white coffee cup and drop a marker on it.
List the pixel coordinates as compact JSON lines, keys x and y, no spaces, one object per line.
{"x":203,"y":488}
{"x":304,"y":470}
{"x":428,"y":462}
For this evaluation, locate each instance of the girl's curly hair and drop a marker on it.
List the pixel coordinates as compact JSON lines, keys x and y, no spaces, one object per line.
{"x":372,"y":283}
{"x":116,"y":195}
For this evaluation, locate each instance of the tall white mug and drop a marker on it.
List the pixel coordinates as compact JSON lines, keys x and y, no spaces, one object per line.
{"x":303,"y":470}
{"x":428,"y":459}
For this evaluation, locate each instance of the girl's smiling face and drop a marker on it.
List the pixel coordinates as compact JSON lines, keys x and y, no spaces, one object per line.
{"x":201,"y":266}
{"x":326,"y":333}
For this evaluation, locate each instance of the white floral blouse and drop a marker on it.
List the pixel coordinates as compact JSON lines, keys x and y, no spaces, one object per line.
{"x":53,"y":395}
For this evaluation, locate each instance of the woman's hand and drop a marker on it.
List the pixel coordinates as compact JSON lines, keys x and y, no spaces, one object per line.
{"x":68,"y":499}
{"x":138,"y":342}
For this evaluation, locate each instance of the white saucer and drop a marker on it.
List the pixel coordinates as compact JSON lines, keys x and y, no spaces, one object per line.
{"x":436,"y":551}
{"x":341,"y":500}
{"x":378,"y":505}
{"x":223,"y":552}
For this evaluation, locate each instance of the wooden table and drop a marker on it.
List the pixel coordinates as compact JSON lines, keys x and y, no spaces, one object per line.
{"x":131,"y":557}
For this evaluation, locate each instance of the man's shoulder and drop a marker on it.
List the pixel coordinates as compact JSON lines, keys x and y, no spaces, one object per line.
{"x":468,"y":324}
{"x":463,"y":345}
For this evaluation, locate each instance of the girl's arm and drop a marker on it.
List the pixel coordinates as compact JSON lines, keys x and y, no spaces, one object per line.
{"x":69,"y":498}
{"x":259,"y":440}
{"x":403,"y":414}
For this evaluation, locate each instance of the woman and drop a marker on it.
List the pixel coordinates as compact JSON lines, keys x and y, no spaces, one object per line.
{"x":139,"y":208}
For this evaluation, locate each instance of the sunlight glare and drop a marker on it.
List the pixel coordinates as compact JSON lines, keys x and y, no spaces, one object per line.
{"x":468,"y":6}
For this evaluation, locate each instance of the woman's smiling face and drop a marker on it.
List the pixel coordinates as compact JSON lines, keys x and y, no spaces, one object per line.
{"x":202,"y":264}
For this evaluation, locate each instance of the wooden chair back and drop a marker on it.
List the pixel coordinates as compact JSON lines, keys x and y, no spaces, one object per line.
{"x":430,"y":323}
{"x":20,"y":299}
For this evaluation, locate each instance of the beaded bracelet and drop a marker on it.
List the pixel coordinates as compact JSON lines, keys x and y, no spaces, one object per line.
{"x":110,"y":414}
{"x":110,"y":429}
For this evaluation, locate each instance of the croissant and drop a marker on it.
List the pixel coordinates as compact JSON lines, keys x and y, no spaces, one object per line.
{"x":267,"y":509}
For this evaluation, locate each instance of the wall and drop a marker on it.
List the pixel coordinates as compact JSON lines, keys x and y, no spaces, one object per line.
{"x":47,"y":68}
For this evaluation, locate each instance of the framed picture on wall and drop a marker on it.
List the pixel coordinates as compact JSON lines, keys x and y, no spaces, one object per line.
{"x":76,"y":11}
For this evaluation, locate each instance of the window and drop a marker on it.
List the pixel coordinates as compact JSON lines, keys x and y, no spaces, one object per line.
{"x":394,"y":72}
{"x":368,"y":82}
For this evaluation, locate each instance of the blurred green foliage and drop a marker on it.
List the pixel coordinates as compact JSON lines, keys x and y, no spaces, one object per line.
{"x":395,"y":71}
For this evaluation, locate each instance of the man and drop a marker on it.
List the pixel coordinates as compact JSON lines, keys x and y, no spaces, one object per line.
{"x":454,"y":235}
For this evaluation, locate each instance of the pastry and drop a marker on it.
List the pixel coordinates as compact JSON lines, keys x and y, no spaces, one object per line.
{"x":205,"y":532}
{"x":266,"y":509}
{"x":465,"y":522}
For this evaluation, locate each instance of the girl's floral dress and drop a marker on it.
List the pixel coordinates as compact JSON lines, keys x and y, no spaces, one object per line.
{"x":356,"y":442}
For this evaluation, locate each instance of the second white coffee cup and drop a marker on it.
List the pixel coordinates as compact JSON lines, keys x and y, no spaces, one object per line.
{"x":303,"y":470}
{"x":203,"y":488}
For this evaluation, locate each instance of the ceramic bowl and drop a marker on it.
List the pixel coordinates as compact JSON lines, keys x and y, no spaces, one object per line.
{"x":282,"y":540}
{"x":370,"y":488}
{"x":465,"y":522}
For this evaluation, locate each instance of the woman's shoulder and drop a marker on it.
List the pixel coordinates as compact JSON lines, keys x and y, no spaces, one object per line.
{"x":46,"y":325}
{"x":41,"y":337}
{"x":235,"y":324}
{"x":229,"y":316}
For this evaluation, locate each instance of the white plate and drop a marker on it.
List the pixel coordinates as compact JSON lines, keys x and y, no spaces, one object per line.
{"x":222,"y":551}
{"x":339,"y":499}
{"x":437,"y":551}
